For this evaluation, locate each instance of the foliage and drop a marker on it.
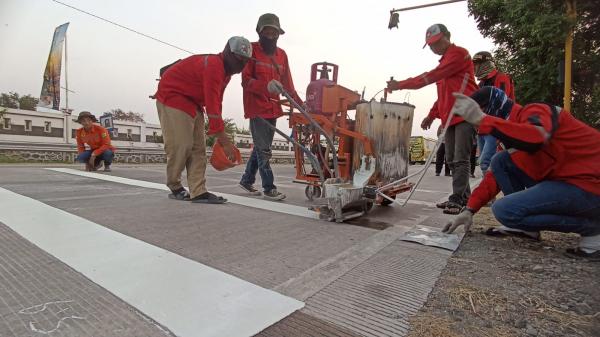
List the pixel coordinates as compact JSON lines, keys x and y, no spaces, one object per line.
{"x":230,"y":130}
{"x":121,"y":115}
{"x":15,"y":101}
{"x":530,"y":38}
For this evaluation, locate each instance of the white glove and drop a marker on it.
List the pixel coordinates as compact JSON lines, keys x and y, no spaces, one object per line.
{"x":464,"y":218}
{"x":467,"y":108}
{"x":275,"y":87}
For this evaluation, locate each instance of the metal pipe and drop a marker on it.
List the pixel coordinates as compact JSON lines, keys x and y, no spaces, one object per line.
{"x":423,"y":6}
{"x":316,"y":125}
{"x":313,"y":160}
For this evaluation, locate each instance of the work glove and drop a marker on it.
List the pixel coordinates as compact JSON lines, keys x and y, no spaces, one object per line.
{"x":464,"y":218}
{"x":275,"y":87}
{"x":467,"y":108}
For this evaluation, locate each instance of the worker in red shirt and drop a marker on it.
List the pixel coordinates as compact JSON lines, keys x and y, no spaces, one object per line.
{"x":97,"y":139}
{"x":448,"y":77}
{"x":550,"y":176}
{"x":269,"y":64}
{"x":187,"y":90}
{"x":488,"y":75}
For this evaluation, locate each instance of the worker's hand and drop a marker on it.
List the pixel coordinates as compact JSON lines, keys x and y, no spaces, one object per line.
{"x":392,"y":85}
{"x":467,"y":108}
{"x":228,"y":147}
{"x":92,"y":160}
{"x":275,"y":87}
{"x":426,"y":123}
{"x":465,"y":218}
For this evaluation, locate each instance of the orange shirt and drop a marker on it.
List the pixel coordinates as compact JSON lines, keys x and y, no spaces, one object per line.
{"x":97,"y":138}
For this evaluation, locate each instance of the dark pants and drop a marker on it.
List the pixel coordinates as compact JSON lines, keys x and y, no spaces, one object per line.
{"x":440,"y":160}
{"x":262,"y":136}
{"x":106,"y":156}
{"x":473,"y":158}
{"x":459,"y":143}
{"x":547,"y":205}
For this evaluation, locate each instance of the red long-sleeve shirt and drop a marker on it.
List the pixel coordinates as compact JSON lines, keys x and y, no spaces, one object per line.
{"x":196,"y":84}
{"x":501,"y":81}
{"x":97,"y":138}
{"x":448,"y":77}
{"x":570,"y":154}
{"x":258,"y":102}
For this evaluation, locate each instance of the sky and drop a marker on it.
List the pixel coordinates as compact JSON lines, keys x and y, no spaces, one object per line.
{"x":109,"y":67}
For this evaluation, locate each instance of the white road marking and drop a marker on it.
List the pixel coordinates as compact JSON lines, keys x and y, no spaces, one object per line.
{"x":185,"y":296}
{"x":279,"y":207}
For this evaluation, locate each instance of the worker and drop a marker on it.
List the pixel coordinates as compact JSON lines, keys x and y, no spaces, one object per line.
{"x":269,"y":63}
{"x":550,"y":176}
{"x":97,"y":138}
{"x":488,"y":75}
{"x":187,"y":90}
{"x":448,"y":77}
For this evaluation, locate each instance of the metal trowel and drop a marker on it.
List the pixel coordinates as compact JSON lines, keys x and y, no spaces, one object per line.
{"x":365,"y":171}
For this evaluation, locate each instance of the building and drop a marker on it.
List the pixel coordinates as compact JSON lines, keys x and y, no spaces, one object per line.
{"x":40,"y":136}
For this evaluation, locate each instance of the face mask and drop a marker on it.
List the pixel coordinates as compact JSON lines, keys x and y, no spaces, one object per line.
{"x":268,"y":45}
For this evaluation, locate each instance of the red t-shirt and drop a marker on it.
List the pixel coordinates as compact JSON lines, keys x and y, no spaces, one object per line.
{"x":196,"y":84}
{"x":258,"y":102}
{"x":448,"y":77}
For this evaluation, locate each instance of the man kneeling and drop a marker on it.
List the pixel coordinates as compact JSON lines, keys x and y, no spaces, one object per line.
{"x":98,"y":140}
{"x":550,"y":175}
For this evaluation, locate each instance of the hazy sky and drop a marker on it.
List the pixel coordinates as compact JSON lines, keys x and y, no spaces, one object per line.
{"x":110,"y":67}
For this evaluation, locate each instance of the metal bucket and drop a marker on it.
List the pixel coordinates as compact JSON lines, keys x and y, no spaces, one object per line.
{"x":389,"y":126}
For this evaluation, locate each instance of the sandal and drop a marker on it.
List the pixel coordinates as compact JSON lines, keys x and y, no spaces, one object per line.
{"x":452,"y":208}
{"x":180,"y":194}
{"x":499,"y":232}
{"x":208,"y":198}
{"x":442,"y":205}
{"x":576,"y":253}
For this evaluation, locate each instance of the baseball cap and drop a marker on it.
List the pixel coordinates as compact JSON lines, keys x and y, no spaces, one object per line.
{"x":239,"y":45}
{"x":434,"y":33}
{"x":482,"y":56}
{"x":268,"y":20}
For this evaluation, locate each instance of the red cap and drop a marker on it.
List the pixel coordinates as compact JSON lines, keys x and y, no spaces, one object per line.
{"x":434,"y":33}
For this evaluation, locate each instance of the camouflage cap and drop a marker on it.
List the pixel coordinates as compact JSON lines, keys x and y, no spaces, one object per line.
{"x":268,"y":20}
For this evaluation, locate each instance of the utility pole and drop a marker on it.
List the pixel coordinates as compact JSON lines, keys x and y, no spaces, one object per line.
{"x":572,"y":16}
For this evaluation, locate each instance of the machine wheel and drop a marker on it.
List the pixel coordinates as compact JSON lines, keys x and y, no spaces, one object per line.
{"x":386,"y":202}
{"x":312,"y":192}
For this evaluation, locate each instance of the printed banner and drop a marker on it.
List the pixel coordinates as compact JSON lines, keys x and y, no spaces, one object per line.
{"x":50,"y":96}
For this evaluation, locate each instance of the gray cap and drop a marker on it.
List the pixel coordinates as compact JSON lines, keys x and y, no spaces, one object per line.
{"x":268,"y":20}
{"x":239,"y":45}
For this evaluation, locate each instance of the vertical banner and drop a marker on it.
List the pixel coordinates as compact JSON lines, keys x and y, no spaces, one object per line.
{"x":50,"y":96}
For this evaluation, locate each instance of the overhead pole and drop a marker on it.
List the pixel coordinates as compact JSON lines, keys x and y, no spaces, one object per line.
{"x":394,"y":16}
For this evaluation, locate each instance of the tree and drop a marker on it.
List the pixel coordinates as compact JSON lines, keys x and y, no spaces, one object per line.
{"x":118,"y":114}
{"x":15,"y":101}
{"x":242,"y":131}
{"x":230,"y":129}
{"x":530,"y":35}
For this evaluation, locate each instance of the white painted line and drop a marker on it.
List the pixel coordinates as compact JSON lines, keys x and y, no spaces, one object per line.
{"x":185,"y":296}
{"x":279,"y":207}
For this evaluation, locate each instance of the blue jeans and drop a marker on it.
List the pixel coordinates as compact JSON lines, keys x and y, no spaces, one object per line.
{"x":547,"y":205}
{"x":487,"y":149}
{"x":262,"y":136}
{"x":106,"y":156}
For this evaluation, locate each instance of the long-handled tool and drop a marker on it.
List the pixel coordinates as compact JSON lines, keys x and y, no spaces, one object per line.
{"x":437,"y":144}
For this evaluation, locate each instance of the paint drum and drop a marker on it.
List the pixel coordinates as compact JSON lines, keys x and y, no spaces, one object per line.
{"x":389,"y":126}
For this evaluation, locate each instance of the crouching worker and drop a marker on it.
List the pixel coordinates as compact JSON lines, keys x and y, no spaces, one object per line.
{"x":98,"y":140}
{"x":550,"y":176}
{"x":187,"y":90}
